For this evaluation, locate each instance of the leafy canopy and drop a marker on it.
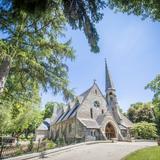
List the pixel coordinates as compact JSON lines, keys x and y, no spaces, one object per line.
{"x":139,"y":112}
{"x":80,"y":14}
{"x":143,"y":8}
{"x":50,"y":107}
{"x":19,"y":116}
{"x":154,"y":86}
{"x":36,"y":54}
{"x":144,"y":130}
{"x":84,"y":14}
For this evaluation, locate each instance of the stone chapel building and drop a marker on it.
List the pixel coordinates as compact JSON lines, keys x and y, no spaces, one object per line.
{"x":91,"y":116}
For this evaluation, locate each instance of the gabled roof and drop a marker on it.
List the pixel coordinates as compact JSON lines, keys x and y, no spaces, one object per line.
{"x":45,"y":125}
{"x":72,"y":112}
{"x":84,"y":94}
{"x":75,"y":106}
{"x":89,"y":123}
{"x":48,"y":121}
{"x":42,"y":127}
{"x":122,"y":127}
{"x":126,"y":122}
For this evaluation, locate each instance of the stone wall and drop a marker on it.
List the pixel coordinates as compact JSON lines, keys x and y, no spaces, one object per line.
{"x":88,"y":103}
{"x":70,"y":131}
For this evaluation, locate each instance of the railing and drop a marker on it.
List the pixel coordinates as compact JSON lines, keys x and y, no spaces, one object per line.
{"x":10,"y":150}
{"x":7,"y":151}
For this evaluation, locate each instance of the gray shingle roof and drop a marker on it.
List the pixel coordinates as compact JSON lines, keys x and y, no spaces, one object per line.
{"x":89,"y":123}
{"x":45,"y":125}
{"x":101,"y":117}
{"x":74,"y":107}
{"x":48,"y":120}
{"x":42,"y":127}
{"x":125,"y":121}
{"x":122,"y":127}
{"x":84,"y":94}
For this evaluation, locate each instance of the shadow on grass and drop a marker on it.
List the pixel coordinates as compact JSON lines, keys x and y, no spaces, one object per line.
{"x":150,"y":153}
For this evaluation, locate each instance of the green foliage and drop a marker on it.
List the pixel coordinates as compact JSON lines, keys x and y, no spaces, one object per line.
{"x":141,"y":112}
{"x":26,"y":121}
{"x":49,"y":144}
{"x":143,"y":8}
{"x":150,"y":153}
{"x":5,"y":117}
{"x":80,"y":14}
{"x":50,"y":107}
{"x":30,"y":145}
{"x":20,"y":116}
{"x":37,"y":56}
{"x":154,"y":86}
{"x":144,"y":130}
{"x":84,"y":14}
{"x":19,"y":152}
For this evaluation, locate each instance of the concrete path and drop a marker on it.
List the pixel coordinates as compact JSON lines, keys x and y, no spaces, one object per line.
{"x":100,"y":151}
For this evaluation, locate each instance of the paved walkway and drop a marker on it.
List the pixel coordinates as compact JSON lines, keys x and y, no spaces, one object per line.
{"x":100,"y":151}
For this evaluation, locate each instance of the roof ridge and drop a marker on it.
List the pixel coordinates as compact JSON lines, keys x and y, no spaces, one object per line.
{"x":85,"y":92}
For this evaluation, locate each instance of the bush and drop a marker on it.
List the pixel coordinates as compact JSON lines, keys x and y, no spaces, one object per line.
{"x":18,"y":152}
{"x":144,"y":130}
{"x":30,"y":145}
{"x":49,"y":144}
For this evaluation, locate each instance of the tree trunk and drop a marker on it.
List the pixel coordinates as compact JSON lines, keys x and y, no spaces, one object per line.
{"x":4,"y":70}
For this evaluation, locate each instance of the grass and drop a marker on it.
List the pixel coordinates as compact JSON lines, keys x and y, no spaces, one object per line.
{"x":151,"y":153}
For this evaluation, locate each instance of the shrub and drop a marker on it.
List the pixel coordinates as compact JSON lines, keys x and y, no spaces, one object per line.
{"x":144,"y":130}
{"x":30,"y":145}
{"x":18,"y":152}
{"x":49,"y":144}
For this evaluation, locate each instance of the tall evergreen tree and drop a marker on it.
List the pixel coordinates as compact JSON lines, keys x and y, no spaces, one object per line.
{"x":32,"y":51}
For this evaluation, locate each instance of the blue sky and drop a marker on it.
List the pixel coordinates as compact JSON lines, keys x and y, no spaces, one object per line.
{"x":131,"y":47}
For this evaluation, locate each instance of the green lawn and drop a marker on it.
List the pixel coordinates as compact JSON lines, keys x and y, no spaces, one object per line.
{"x":151,"y":153}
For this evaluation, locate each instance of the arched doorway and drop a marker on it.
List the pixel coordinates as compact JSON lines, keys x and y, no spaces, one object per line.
{"x":110,"y":131}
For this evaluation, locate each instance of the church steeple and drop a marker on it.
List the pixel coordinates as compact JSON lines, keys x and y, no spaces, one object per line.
{"x":111,"y":97}
{"x":108,"y":80}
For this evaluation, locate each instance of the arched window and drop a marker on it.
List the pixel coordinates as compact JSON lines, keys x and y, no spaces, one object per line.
{"x":96,"y":104}
{"x":91,"y":112}
{"x":95,"y":91}
{"x":102,"y":111}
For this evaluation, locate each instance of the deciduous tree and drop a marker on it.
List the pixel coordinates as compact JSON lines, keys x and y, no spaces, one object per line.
{"x":154,"y":86}
{"x":50,"y":107}
{"x":139,"y":112}
{"x":143,"y":8}
{"x":144,"y":130}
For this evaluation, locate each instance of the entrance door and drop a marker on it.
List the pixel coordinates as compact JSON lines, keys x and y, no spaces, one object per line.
{"x":110,"y":131}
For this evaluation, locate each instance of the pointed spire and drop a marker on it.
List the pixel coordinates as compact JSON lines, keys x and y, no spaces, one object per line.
{"x":108,"y":79}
